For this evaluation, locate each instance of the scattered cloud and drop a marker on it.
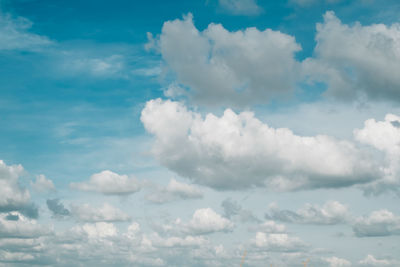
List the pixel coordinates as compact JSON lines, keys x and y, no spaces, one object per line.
{"x":378,"y":223}
{"x":106,"y":213}
{"x":241,"y":7}
{"x":21,"y":228}
{"x":337,"y":262}
{"x":278,"y":242}
{"x":371,"y":261}
{"x":238,"y":151}
{"x":173,"y":191}
{"x":15,"y":35}
{"x":205,"y":221}
{"x":109,"y":183}
{"x":43,"y":185}
{"x":332,"y":212}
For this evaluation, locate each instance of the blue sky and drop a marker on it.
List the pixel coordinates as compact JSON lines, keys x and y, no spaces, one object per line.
{"x":186,"y":133}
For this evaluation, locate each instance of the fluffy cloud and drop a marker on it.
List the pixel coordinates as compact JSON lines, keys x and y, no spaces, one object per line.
{"x":278,"y":242}
{"x":356,"y":61}
{"x":332,"y":212}
{"x":230,"y":67}
{"x":42,"y":184}
{"x":206,"y":221}
{"x":109,"y":183}
{"x":384,"y":136}
{"x":106,"y":213}
{"x":237,"y":151}
{"x":371,"y":261}
{"x":23,"y":227}
{"x":12,"y":196}
{"x":337,"y":262}
{"x":173,"y":191}
{"x":241,"y":7}
{"x":378,"y":223}
{"x":14,"y":34}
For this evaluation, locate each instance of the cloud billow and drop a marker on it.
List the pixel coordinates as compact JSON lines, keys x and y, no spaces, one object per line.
{"x":237,"y":151}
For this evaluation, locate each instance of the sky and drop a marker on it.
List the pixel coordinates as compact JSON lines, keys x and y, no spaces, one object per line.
{"x":200,"y":133}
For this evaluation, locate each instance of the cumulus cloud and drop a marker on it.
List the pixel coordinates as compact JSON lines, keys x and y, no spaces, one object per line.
{"x":57,"y":208}
{"x":238,"y":151}
{"x":109,"y":183}
{"x":23,"y":227}
{"x":337,"y":262}
{"x":205,"y":221}
{"x":237,"y":68}
{"x":241,"y":7}
{"x":106,"y":213}
{"x":43,"y":185}
{"x":383,"y":136}
{"x":15,"y":35}
{"x":278,"y":242}
{"x":13,"y":197}
{"x":356,"y":61}
{"x":371,"y":261}
{"x":173,"y":191}
{"x":378,"y":223}
{"x":332,"y":212}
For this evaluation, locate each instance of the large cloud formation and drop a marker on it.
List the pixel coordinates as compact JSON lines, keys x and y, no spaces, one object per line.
{"x":356,"y":61}
{"x":231,"y":67}
{"x":250,"y":66}
{"x":13,"y":197}
{"x":237,"y":151}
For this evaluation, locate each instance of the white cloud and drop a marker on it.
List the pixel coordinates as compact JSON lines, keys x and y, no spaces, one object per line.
{"x":42,"y":184}
{"x":13,"y":197}
{"x":307,"y":3}
{"x":206,"y":221}
{"x":378,"y":223}
{"x":337,"y":262}
{"x":356,"y":61}
{"x":97,"y":230}
{"x":241,"y":7}
{"x":278,"y":242}
{"x":109,"y":183}
{"x":173,"y":191}
{"x":100,"y":67}
{"x":14,"y":34}
{"x":384,"y":136}
{"x":237,"y":151}
{"x":106,"y":213}
{"x":236,"y":68}
{"x":371,"y":261}
{"x":23,"y":227}
{"x":332,"y":212}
